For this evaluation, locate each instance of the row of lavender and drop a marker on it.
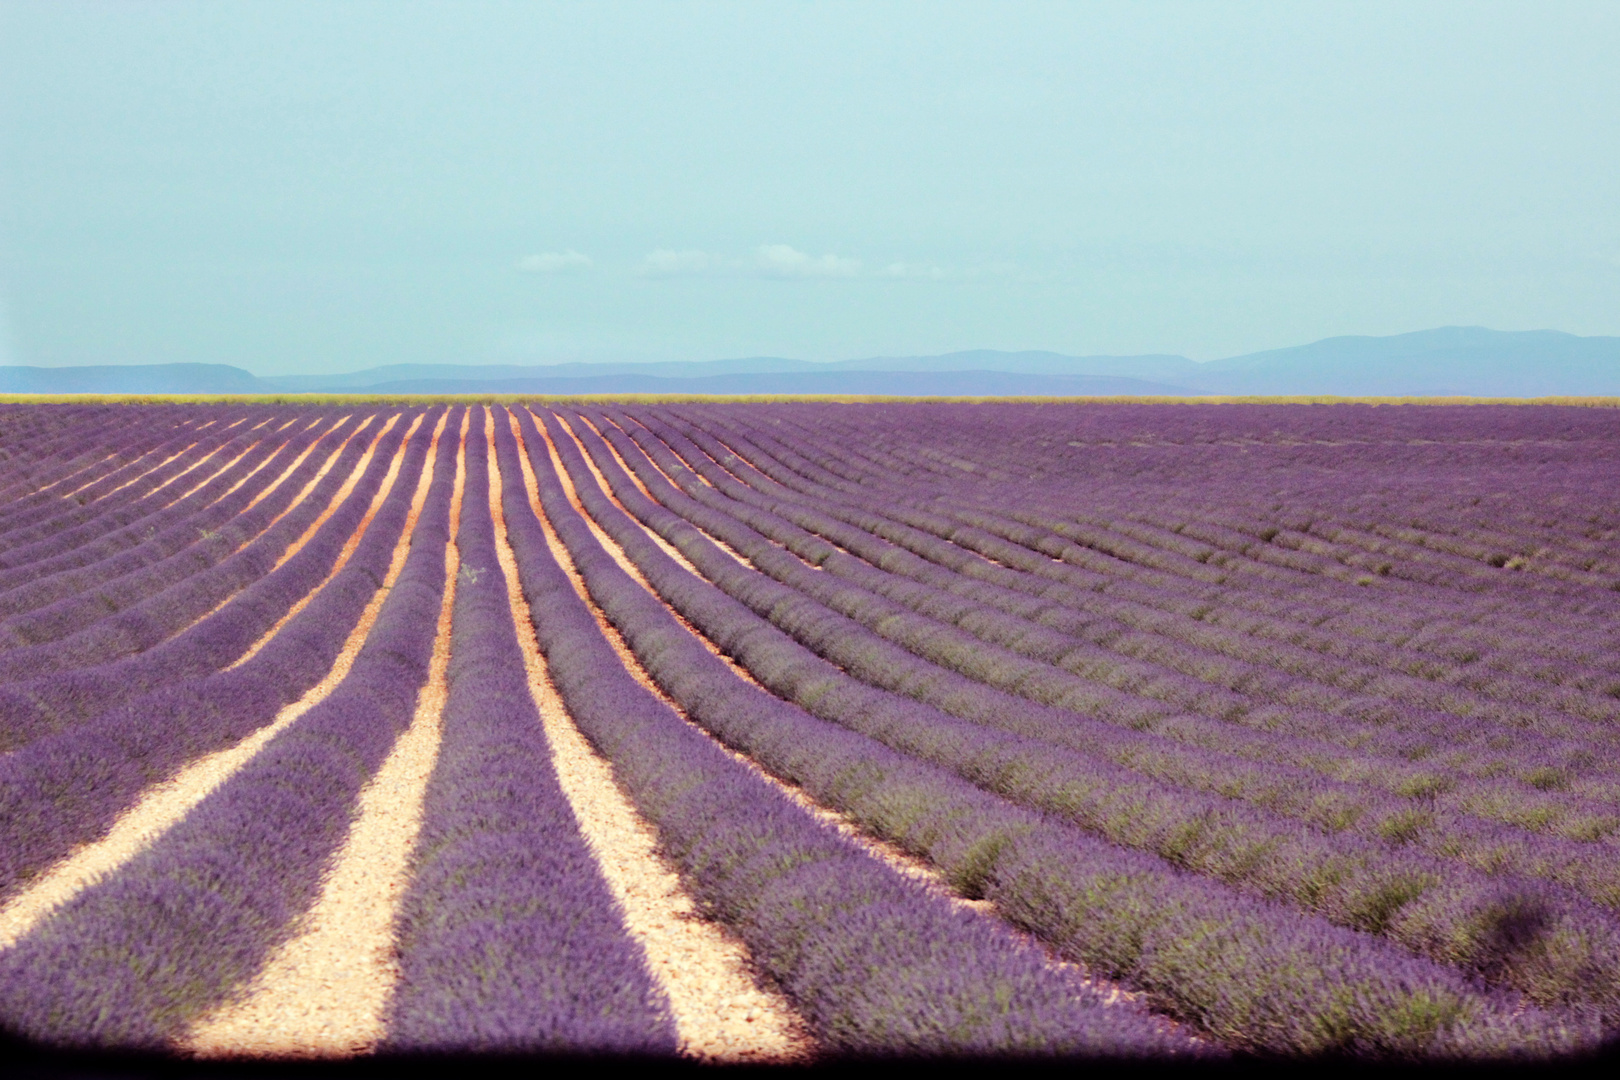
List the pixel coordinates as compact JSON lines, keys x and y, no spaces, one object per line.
{"x":1354,"y":861}
{"x":951,"y":702}
{"x":1310,"y":678}
{"x":501,"y":875}
{"x":1533,"y":805}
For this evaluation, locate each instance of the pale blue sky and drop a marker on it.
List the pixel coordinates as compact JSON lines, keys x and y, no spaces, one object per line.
{"x":296,"y":187}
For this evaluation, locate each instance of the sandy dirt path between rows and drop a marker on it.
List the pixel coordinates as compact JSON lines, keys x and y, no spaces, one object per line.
{"x":326,"y":467}
{"x":733,"y":552}
{"x":736,"y":555}
{"x":172,"y":487}
{"x":251,"y":473}
{"x":808,"y":500}
{"x":205,"y":460}
{"x":198,"y":432}
{"x":715,"y":540}
{"x":721,"y":1011}
{"x":383,"y":491}
{"x":176,"y":431}
{"x":324,"y":992}
{"x":669,"y":548}
{"x":132,"y":479}
{"x":331,"y":508}
{"x":897,"y":858}
{"x":166,"y":803}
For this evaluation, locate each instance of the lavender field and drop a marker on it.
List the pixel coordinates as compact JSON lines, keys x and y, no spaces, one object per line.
{"x":1065,"y":729}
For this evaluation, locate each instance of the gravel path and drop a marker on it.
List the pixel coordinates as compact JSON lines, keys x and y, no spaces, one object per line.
{"x":721,"y":1011}
{"x":162,"y":807}
{"x":895,"y":857}
{"x":324,"y":992}
{"x":383,"y":491}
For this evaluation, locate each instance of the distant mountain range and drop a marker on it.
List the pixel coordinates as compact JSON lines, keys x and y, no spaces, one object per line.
{"x":1453,"y":360}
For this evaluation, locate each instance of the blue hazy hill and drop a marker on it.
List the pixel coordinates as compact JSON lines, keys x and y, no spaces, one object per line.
{"x":1451,"y":360}
{"x":889,"y":383}
{"x":130,"y":379}
{"x":1455,"y":360}
{"x":1142,"y":368}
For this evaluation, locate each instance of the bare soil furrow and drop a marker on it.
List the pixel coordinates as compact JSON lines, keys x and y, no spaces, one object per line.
{"x":331,"y":508}
{"x":383,"y":491}
{"x":162,"y":807}
{"x":323,"y":993}
{"x":722,"y":1012}
{"x":899,"y":860}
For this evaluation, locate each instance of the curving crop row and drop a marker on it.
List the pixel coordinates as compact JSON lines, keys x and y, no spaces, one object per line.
{"x":1329,"y":745}
{"x":197,"y":647}
{"x":136,"y":959}
{"x":119,"y":499}
{"x":67,"y":788}
{"x":227,"y":530}
{"x":75,"y":519}
{"x":876,"y":963}
{"x":29,"y":473}
{"x":1143,"y":631}
{"x":1282,"y":583}
{"x":508,"y":937}
{"x":1560,"y":765}
{"x":1298,"y":724}
{"x":145,"y":542}
{"x":138,"y":610}
{"x":1024,"y":861}
{"x":142,"y":447}
{"x":1522,"y":934}
{"x":1254,"y":527}
{"x":1438,"y":820}
{"x":1051,"y":495}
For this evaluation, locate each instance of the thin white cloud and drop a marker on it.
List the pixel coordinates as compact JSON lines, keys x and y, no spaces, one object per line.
{"x":553,"y":262}
{"x":780,"y":260}
{"x":785,"y":262}
{"x":924,"y":271}
{"x":669,"y":263}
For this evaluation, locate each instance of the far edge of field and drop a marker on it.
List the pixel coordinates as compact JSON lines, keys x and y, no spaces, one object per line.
{"x":774,"y":399}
